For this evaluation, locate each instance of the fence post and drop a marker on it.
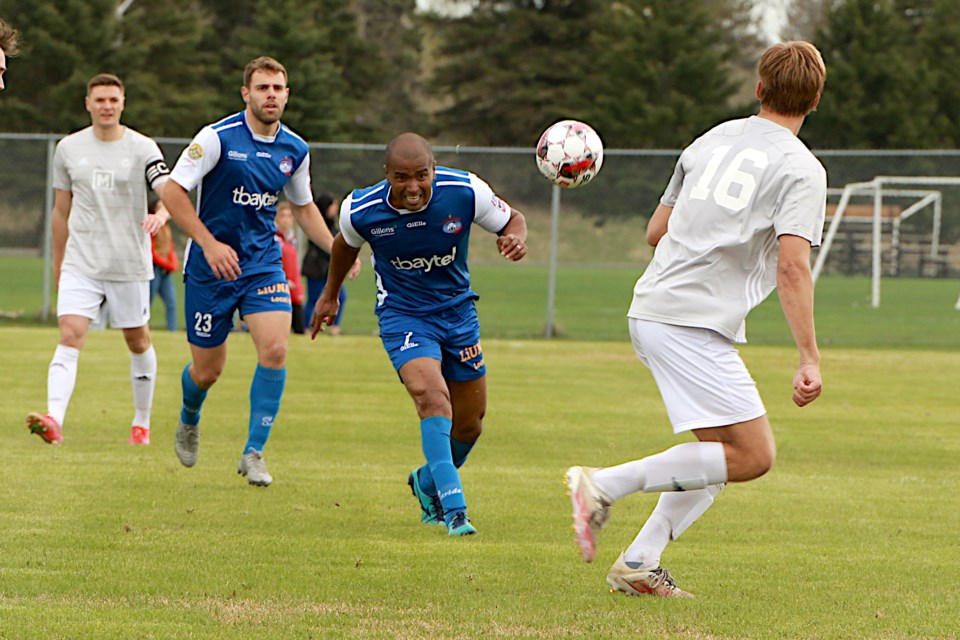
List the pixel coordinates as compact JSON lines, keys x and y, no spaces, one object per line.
{"x":552,"y":278}
{"x":48,"y":231}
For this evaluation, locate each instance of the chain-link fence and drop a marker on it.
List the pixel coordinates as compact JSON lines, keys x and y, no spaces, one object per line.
{"x":601,"y":225}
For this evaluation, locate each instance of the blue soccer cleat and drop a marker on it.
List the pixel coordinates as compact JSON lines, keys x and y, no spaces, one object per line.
{"x":431,"y":511}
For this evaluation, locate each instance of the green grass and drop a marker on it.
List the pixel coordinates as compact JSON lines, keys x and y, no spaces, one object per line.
{"x":853,"y":534}
{"x":591,"y":304}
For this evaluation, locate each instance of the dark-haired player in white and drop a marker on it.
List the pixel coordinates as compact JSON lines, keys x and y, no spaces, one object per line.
{"x":738,"y":219}
{"x":101,"y":251}
{"x":417,"y":222}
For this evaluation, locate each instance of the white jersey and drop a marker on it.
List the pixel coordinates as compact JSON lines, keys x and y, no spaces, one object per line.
{"x":734,"y":191}
{"x":108,"y":181}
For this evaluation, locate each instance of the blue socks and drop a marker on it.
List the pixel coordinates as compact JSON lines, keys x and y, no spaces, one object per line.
{"x":435,"y":438}
{"x":265,"y":393}
{"x":460,"y":451}
{"x":193,"y":397}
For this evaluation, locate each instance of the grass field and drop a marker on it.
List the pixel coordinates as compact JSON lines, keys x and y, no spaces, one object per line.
{"x":591,"y":304}
{"x":853,"y":534}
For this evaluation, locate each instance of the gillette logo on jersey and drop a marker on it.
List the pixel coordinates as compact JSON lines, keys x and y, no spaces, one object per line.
{"x":256,"y":200}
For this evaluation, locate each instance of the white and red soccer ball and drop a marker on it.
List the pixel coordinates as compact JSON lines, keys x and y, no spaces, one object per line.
{"x":569,"y":153}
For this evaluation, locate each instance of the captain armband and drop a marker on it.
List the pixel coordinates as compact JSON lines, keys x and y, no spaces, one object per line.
{"x":155,"y":171}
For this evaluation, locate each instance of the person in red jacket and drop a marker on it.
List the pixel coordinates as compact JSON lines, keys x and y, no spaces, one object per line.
{"x":165,"y":264}
{"x":287,"y":237}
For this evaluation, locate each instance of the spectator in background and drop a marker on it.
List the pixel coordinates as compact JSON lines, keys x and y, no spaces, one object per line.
{"x":316,"y":262}
{"x":287,"y":237}
{"x":9,"y":46}
{"x":165,"y":264}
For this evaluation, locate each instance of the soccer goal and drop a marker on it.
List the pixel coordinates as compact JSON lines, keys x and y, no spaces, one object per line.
{"x":879,"y":188}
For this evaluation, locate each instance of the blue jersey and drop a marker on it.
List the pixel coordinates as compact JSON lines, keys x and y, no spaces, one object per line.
{"x":239,"y":176}
{"x":420,"y":257}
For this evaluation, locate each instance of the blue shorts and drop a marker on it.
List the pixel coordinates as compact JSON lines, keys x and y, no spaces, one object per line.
{"x":209,"y":307}
{"x":451,"y":336}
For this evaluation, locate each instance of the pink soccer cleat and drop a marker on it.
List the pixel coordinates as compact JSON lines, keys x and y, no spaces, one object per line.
{"x":139,"y":435}
{"x":591,"y":508}
{"x":45,"y":427}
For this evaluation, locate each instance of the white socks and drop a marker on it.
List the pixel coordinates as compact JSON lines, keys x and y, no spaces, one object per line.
{"x":143,"y":377}
{"x":675,"y":512}
{"x":685,"y":467}
{"x":61,"y":379}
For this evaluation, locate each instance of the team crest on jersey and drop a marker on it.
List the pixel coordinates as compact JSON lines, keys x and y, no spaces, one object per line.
{"x":452,"y":225}
{"x":195,"y":151}
{"x":286,"y":165}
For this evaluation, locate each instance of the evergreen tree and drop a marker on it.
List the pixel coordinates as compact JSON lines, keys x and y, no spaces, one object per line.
{"x":160,"y":57}
{"x":940,"y":40}
{"x":64,"y":45}
{"x":874,"y":79}
{"x":665,"y":73}
{"x":509,"y":68}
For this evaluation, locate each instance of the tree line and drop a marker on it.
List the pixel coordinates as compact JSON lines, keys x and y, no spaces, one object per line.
{"x":645,"y":73}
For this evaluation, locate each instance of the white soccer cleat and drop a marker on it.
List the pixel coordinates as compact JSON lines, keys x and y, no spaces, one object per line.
{"x":643,"y":581}
{"x":252,"y":466}
{"x":591,"y":509}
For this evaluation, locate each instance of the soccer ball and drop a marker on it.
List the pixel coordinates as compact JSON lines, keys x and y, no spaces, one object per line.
{"x":569,"y":154}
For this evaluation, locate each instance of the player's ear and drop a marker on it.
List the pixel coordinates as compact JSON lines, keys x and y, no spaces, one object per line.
{"x":245,"y":94}
{"x":759,"y":90}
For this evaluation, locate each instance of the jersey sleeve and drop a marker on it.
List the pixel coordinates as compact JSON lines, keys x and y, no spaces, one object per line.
{"x":803,"y":206}
{"x":672,"y":192}
{"x":156,"y":171}
{"x":491,"y":213}
{"x":198,"y":159}
{"x":61,"y":177}
{"x":347,"y":230}
{"x":298,"y":189}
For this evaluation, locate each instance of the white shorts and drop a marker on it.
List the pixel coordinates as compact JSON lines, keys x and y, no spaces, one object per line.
{"x":701,"y":377}
{"x":129,"y":302}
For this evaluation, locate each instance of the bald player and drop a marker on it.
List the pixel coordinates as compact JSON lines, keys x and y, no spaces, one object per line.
{"x":417,"y":222}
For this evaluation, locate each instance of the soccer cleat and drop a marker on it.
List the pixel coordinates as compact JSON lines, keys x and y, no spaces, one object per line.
{"x":431,"y":511}
{"x":640,"y":581}
{"x":139,"y":435}
{"x":252,"y":466}
{"x":591,"y":508}
{"x":187,"y":443}
{"x":45,"y":427}
{"x":459,"y":525}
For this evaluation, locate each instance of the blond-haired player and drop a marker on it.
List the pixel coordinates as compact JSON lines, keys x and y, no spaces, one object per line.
{"x":738,"y":218}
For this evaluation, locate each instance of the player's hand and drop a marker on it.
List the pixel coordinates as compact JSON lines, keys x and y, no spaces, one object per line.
{"x":324,"y":312}
{"x":807,"y":384}
{"x":511,"y":247}
{"x":151,"y":224}
{"x":355,"y":269}
{"x":223,"y":261}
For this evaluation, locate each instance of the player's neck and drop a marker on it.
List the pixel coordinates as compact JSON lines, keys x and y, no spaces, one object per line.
{"x":110,"y":133}
{"x":793,"y":123}
{"x":259,"y":127}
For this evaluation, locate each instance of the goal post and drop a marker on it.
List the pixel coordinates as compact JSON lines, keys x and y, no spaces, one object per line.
{"x":879,"y":188}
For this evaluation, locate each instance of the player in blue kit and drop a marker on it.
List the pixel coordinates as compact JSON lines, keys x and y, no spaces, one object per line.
{"x":239,"y":167}
{"x":417,"y":222}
